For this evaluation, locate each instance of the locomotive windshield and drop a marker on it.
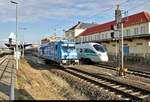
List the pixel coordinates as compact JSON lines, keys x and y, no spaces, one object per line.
{"x":99,"y":48}
{"x":68,"y":46}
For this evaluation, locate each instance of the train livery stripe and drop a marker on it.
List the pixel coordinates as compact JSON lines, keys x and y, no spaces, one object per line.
{"x":91,"y":54}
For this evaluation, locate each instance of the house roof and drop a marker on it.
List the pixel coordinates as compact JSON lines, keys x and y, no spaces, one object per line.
{"x":133,"y":19}
{"x":82,"y":25}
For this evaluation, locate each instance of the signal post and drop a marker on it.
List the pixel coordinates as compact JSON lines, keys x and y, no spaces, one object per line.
{"x":119,"y":28}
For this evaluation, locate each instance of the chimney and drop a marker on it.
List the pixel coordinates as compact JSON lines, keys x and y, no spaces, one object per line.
{"x":94,"y":22}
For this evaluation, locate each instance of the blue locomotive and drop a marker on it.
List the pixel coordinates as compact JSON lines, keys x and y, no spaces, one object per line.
{"x":60,"y":52}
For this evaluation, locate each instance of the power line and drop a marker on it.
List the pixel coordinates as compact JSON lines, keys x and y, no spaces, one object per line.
{"x":106,"y":10}
{"x":105,"y":14}
{"x":137,"y":6}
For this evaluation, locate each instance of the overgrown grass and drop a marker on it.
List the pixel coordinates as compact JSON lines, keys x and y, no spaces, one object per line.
{"x":37,"y":80}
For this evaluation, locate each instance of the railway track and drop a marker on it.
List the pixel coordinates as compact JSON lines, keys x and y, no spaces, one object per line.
{"x":3,"y":59}
{"x":130,"y":71}
{"x":6,"y":61}
{"x":125,"y":91}
{"x":5,"y":77}
{"x":4,"y":70}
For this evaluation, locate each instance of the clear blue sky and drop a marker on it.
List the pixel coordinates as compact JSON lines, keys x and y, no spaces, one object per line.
{"x":42,"y":18}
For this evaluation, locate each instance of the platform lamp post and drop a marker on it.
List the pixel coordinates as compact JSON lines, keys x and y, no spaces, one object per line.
{"x":16,"y":33}
{"x":23,"y":42}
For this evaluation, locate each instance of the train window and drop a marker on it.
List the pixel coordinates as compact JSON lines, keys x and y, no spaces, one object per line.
{"x":88,"y":51}
{"x":79,"y":50}
{"x":42,"y":51}
{"x":56,"y":47}
{"x":68,"y":46}
{"x":113,"y":45}
{"x":71,"y":47}
{"x":99,"y":48}
{"x":139,"y":43}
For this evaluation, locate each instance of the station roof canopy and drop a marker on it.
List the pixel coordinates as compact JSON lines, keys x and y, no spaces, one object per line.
{"x":12,"y":35}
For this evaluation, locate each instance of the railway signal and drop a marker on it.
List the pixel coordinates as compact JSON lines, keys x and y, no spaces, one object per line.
{"x":118,"y":18}
{"x":119,"y":21}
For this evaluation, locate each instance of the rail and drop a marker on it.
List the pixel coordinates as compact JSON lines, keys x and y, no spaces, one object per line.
{"x":130,"y":71}
{"x":3,"y":60}
{"x":113,"y":85}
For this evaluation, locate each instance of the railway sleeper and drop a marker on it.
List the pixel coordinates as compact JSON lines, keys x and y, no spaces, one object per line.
{"x":122,"y":88}
{"x":144,"y":96}
{"x":104,"y":82}
{"x":112,"y":84}
{"x":128,"y":91}
{"x":116,"y":86}
{"x":127,"y":99}
{"x":119,"y":96}
{"x":136,"y":93}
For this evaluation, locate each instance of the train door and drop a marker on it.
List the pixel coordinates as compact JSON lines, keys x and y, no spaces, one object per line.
{"x":126,"y":50}
{"x":80,"y":51}
{"x":56,"y":52}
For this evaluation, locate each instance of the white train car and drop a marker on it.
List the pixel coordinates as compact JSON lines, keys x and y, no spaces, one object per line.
{"x":92,"y":52}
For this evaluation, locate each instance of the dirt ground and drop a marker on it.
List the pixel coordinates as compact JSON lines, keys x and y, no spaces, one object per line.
{"x":36,"y":83}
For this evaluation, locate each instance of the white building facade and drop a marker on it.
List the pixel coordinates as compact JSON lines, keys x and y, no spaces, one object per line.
{"x":136,"y":35}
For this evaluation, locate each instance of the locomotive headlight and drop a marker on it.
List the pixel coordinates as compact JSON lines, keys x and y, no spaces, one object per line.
{"x":64,"y":61}
{"x":76,"y":61}
{"x":73,"y":54}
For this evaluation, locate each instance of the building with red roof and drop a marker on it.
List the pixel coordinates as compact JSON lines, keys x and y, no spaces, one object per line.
{"x":74,"y":31}
{"x":136,"y":33}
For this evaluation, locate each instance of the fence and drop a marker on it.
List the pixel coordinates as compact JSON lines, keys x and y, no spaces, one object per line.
{"x":132,"y":58}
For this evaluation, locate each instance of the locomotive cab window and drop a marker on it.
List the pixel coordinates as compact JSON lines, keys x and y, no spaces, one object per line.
{"x":99,"y":48}
{"x":67,"y":46}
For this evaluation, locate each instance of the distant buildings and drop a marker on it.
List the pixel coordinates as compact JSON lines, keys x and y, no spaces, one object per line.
{"x":77,"y":29}
{"x":136,"y":35}
{"x":50,"y":39}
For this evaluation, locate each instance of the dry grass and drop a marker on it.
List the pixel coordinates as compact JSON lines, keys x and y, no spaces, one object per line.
{"x":43,"y":85}
{"x":63,"y":87}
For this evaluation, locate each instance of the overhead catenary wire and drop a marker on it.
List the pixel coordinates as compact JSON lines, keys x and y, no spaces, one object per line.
{"x":137,"y":6}
{"x":96,"y":15}
{"x":108,"y":9}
